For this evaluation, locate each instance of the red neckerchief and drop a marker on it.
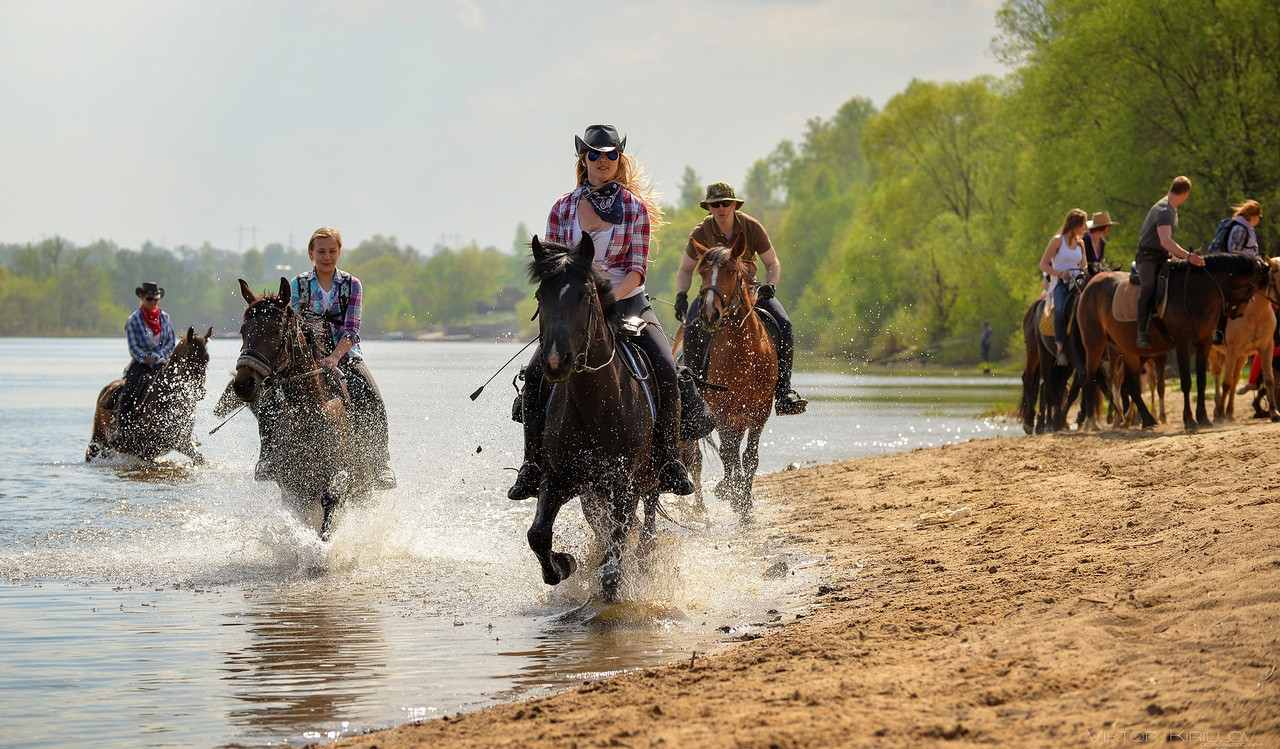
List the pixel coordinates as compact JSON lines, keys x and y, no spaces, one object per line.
{"x":152,"y":319}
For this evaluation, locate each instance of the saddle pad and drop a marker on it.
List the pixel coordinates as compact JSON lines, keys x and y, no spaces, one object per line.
{"x":1124,"y":304}
{"x":1046,"y":318}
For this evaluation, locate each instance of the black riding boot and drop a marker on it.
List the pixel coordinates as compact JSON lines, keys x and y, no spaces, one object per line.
{"x":1220,"y":332}
{"x":533,"y":418}
{"x":785,"y":401}
{"x":697,"y":345}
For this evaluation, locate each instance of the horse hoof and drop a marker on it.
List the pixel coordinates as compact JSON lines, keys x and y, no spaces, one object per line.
{"x":560,"y":568}
{"x":610,"y":581}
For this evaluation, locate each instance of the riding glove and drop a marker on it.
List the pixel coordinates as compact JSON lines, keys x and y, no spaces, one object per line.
{"x":767,"y":291}
{"x":682,"y":305}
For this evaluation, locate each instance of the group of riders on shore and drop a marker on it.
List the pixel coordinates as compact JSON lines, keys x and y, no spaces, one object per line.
{"x":612,"y":203}
{"x":1077,"y":252}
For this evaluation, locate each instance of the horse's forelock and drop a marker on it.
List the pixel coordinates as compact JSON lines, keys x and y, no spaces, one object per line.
{"x":722,"y":256}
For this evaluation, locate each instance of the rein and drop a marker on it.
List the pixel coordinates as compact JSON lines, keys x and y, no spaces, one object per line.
{"x":580,"y":361}
{"x":731,"y":306}
{"x":271,"y":372}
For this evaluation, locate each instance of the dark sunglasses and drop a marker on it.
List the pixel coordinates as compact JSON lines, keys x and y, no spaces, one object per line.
{"x":595,"y":155}
{"x":722,"y":203}
{"x":152,"y":298}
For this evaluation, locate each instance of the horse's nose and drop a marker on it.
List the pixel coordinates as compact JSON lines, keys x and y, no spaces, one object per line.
{"x":245,"y":387}
{"x":553,"y":357}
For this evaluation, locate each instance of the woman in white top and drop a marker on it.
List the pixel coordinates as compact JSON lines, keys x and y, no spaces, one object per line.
{"x":1063,"y":261}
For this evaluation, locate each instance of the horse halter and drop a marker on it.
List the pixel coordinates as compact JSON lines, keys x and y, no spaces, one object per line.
{"x":588,"y":335}
{"x":256,"y":361}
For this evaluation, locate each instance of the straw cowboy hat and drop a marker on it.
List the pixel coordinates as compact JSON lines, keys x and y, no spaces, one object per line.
{"x":718,"y":191}
{"x":149,"y":288}
{"x":1100,"y":219}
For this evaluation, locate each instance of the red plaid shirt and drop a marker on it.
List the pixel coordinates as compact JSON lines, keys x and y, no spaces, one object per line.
{"x":629,"y":249}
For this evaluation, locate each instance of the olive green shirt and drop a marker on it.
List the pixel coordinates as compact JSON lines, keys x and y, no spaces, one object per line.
{"x":708,"y":235}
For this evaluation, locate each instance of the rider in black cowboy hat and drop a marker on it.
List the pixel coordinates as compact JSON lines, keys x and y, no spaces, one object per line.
{"x":718,"y":229}
{"x":151,"y":340}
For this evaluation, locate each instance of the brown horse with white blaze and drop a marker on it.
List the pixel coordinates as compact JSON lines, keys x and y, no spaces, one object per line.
{"x":1196,"y":297}
{"x":741,"y":361}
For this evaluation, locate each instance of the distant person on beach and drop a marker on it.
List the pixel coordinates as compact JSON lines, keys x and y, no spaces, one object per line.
{"x":724,"y":222}
{"x":1095,"y":242}
{"x":1155,"y":246}
{"x":985,"y":341}
{"x":151,"y":341}
{"x":1063,"y":261}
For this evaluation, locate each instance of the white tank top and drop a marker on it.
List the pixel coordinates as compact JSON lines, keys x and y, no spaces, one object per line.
{"x":601,"y":240}
{"x":1067,"y":257}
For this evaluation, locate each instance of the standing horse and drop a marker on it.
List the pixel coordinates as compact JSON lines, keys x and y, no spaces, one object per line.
{"x":1044,"y":383}
{"x":316,"y":459}
{"x":741,"y":360}
{"x":1196,"y":296}
{"x":598,"y":437}
{"x":166,"y":412}
{"x":1252,"y":331}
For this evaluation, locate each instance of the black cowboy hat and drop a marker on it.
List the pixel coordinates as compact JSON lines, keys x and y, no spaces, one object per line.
{"x":602,"y":138}
{"x":149,"y":288}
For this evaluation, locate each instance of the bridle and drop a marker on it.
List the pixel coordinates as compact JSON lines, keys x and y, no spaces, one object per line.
{"x":728,"y":307}
{"x":271,"y":370}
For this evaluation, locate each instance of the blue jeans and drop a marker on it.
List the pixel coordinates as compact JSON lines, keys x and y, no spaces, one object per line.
{"x":1060,"y":292}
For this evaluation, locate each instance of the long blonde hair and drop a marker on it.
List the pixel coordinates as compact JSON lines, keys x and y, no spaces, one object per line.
{"x":632,"y":177}
{"x":1248,"y":209}
{"x":1076,"y":218}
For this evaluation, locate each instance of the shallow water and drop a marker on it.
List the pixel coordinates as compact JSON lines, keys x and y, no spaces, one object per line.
{"x":180,"y":606}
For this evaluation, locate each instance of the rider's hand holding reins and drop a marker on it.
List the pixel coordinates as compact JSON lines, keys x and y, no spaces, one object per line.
{"x":767,"y":291}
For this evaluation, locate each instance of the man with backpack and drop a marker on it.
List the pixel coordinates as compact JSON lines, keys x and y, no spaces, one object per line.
{"x":1156,"y":246}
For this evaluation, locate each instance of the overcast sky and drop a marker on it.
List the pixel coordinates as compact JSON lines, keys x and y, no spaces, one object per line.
{"x":438,"y":121}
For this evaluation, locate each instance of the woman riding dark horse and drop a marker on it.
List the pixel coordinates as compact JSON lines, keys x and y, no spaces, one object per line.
{"x":317,"y":460}
{"x":612,"y":206}
{"x":599,"y":421}
{"x":161,"y":418}
{"x":1108,"y":313}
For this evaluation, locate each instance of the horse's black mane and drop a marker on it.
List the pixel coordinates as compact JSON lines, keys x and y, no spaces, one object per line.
{"x":558,"y":259}
{"x":1224,"y":262}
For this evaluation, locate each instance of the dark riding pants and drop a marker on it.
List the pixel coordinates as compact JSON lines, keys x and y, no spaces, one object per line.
{"x":137,"y":379}
{"x":654,"y":343}
{"x":697,"y":340}
{"x":1061,"y":292}
{"x":1148,"y":272}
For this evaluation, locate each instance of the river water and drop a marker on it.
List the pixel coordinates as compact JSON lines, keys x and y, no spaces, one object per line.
{"x":155,"y":606}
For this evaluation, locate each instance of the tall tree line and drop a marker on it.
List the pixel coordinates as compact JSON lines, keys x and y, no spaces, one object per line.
{"x":900,"y":229}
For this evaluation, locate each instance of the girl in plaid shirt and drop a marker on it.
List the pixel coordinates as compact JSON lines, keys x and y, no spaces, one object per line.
{"x":613,"y":204}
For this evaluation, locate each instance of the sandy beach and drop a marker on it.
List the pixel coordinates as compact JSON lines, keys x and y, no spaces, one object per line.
{"x":1058,"y":590}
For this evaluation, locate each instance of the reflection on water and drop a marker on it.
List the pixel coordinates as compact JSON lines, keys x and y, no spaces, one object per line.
{"x":177,"y":606}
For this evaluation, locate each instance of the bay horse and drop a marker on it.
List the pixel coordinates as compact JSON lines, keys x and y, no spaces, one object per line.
{"x":741,"y":362}
{"x":597,"y":443}
{"x":1044,"y":383}
{"x":1196,"y":297}
{"x":317,"y":461}
{"x":1253,"y":331}
{"x":166,"y":413}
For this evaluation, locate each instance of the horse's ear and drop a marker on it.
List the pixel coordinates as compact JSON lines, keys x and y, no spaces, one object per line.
{"x":247,"y":293}
{"x":208,"y":335}
{"x":286,"y":291}
{"x":739,"y":245}
{"x":191,"y":333}
{"x":536,"y":246}
{"x":586,"y":250}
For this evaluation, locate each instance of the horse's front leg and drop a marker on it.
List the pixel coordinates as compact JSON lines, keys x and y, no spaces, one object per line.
{"x":556,"y":566}
{"x":1184,"y":374}
{"x":622,"y":513}
{"x":730,"y":448}
{"x":750,"y":462}
{"x":1202,"y":366}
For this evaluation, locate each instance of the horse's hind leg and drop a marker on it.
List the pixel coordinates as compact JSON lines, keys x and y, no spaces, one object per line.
{"x":750,"y":462}
{"x":649,"y":534}
{"x":622,"y":512}
{"x":556,"y":566}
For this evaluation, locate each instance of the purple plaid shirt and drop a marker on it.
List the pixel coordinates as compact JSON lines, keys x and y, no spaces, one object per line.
{"x":142,"y":343}
{"x":629,"y":249}
{"x":308,"y":294}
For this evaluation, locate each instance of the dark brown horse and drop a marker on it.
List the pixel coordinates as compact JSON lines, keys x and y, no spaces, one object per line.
{"x":598,"y":437}
{"x":166,"y":412}
{"x":1195,"y":299}
{"x":1044,"y":383}
{"x":742,"y":362}
{"x":317,"y":462}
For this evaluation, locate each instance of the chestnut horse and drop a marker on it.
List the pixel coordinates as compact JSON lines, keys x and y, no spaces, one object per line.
{"x":1196,"y":297}
{"x":741,"y":361}
{"x":316,"y":460}
{"x":598,"y":437}
{"x":166,"y":411}
{"x":1252,"y":331}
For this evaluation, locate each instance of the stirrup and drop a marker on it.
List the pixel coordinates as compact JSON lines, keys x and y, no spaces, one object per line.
{"x":788,"y":402}
{"x":528,"y":481}
{"x":674,"y":479}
